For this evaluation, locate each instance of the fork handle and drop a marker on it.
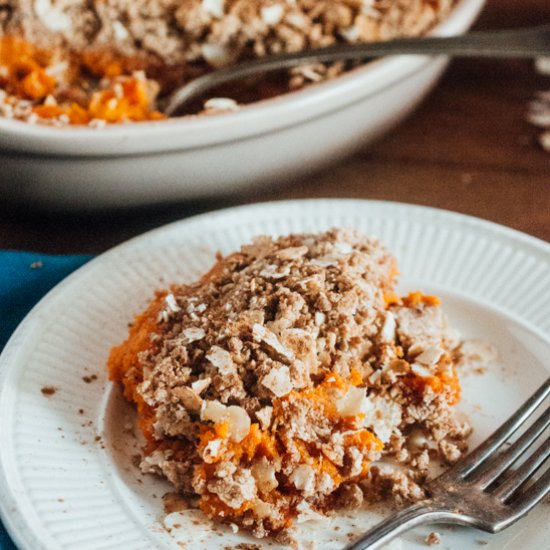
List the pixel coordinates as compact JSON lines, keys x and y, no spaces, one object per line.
{"x":400,"y":522}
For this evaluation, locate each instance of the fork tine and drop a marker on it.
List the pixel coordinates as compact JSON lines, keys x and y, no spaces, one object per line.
{"x":485,"y":449}
{"x":530,"y":497}
{"x":523,"y":473}
{"x":491,"y":469}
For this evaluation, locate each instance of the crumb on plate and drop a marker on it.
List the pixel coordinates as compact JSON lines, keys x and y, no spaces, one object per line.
{"x":433,"y":538}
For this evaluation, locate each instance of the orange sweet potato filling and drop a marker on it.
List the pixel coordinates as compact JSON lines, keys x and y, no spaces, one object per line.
{"x":124,"y":368}
{"x":27,"y":74}
{"x":259,"y":443}
{"x":411,"y":300}
{"x":441,"y":383}
{"x":415,"y":298}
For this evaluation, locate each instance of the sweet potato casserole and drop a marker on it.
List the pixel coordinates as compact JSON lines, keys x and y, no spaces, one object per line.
{"x":291,"y":380}
{"x":105,"y":61}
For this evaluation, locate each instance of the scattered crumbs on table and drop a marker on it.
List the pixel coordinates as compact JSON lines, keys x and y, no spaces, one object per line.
{"x":89,"y":379}
{"x":466,"y":177}
{"x":48,"y":391}
{"x":542,"y":64}
{"x":36,"y":265}
{"x":432,"y":538}
{"x":80,"y":411}
{"x":539,"y":109}
{"x":482,"y":542}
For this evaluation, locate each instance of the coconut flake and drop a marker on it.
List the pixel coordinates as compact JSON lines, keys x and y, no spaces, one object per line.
{"x":323,"y":262}
{"x":171,"y":303}
{"x":213,"y":411}
{"x":212,"y":451}
{"x":262,"y":509}
{"x":191,"y":401}
{"x":221,"y":359}
{"x":383,"y":416}
{"x":292,"y":252}
{"x":387,"y":332}
{"x":264,"y":474}
{"x":217,"y":55}
{"x":352,"y":402}
{"x":303,"y":478}
{"x":236,"y":417}
{"x":343,"y":247}
{"x":350,"y":34}
{"x":278,"y":381}
{"x":429,"y":357}
{"x":239,"y":423}
{"x":264,"y":417}
{"x":52,"y":16}
{"x":421,"y":370}
{"x":192,"y":334}
{"x":275,"y":272}
{"x":272,"y":15}
{"x":121,"y":32}
{"x":320,"y":318}
{"x":261,"y":334}
{"x":213,"y":7}
{"x":200,"y":385}
{"x":221,"y":104}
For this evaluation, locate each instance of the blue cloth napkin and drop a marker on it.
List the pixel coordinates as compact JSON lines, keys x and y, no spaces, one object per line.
{"x":24,"y":278}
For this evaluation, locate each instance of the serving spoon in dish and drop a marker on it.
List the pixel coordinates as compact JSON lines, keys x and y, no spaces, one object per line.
{"x":523,"y":42}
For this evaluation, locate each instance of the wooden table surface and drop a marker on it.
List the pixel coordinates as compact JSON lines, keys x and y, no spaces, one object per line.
{"x":468,"y":149}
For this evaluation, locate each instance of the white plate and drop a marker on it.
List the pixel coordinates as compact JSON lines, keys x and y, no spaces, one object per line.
{"x":61,"y":489}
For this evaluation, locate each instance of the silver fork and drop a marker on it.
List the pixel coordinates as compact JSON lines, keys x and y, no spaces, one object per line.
{"x":523,"y":42}
{"x":482,"y":490}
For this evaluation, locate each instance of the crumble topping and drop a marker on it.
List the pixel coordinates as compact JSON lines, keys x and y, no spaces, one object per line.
{"x":92,"y":63}
{"x":291,"y":381}
{"x":433,"y":538}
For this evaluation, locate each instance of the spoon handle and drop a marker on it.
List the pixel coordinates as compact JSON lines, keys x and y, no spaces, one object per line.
{"x":525,"y":42}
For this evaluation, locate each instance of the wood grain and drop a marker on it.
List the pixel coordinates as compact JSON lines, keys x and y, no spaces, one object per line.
{"x":467,"y":149}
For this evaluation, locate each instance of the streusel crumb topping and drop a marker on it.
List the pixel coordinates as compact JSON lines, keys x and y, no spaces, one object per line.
{"x":267,"y":389}
{"x":88,"y":62}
